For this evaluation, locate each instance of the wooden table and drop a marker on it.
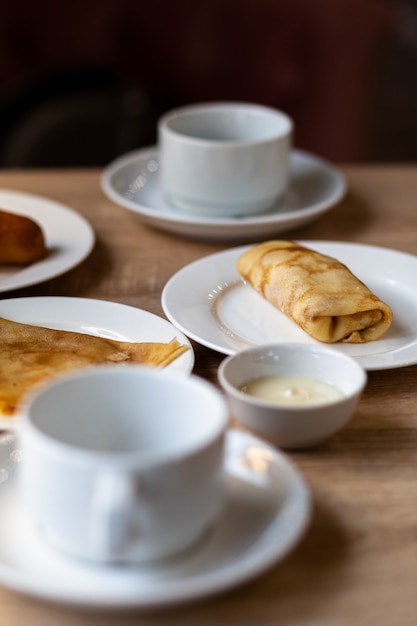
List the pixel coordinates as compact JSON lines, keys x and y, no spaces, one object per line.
{"x":357,"y":564}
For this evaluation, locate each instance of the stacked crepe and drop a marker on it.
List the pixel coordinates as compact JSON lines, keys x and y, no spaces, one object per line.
{"x":316,"y":291}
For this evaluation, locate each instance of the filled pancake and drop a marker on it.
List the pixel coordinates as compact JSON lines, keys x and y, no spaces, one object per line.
{"x":318,"y":292}
{"x":22,"y":240}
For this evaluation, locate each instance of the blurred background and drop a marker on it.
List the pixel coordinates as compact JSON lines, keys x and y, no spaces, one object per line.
{"x":84,"y":82}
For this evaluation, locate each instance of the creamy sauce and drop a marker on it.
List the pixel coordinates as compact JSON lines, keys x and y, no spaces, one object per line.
{"x":292,"y":390}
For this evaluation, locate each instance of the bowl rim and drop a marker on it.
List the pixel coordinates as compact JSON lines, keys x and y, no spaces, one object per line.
{"x":233,"y":390}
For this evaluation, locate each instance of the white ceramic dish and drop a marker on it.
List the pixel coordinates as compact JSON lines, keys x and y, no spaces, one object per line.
{"x":96,"y":317}
{"x":293,"y":426}
{"x":267,"y":510}
{"x":69,"y":237}
{"x":132,"y":181}
{"x":229,"y":159}
{"x":115,"y":466}
{"x":208,"y":301}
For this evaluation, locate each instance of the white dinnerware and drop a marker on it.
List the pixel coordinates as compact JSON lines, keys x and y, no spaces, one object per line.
{"x":266,"y":512}
{"x":210,"y":303}
{"x":313,"y":391}
{"x":224,"y":158}
{"x":122,"y":464}
{"x":68,"y":236}
{"x":133,"y":182}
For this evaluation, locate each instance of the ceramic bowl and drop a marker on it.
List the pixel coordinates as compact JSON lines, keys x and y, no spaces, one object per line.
{"x":298,"y":425}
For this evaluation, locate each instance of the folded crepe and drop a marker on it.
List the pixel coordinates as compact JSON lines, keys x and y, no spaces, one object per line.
{"x":30,"y":355}
{"x":316,"y":291}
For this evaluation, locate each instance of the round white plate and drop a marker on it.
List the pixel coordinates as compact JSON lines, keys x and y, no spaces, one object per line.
{"x":132,"y":181}
{"x":69,"y":238}
{"x":267,"y":509}
{"x":210,"y":303}
{"x":95,"y":317}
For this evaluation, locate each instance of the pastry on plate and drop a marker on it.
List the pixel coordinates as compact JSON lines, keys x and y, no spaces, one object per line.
{"x":21,"y":239}
{"x":30,"y":355}
{"x":316,"y":291}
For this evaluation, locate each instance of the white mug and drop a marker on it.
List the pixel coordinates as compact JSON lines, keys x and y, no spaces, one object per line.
{"x":224,"y":159}
{"x":123,"y":464}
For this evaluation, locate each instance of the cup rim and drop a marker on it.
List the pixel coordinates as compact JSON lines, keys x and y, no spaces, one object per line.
{"x":163,"y":123}
{"x":120,"y":459}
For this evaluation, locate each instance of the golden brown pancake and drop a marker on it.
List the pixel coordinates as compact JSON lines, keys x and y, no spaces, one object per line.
{"x":30,"y":355}
{"x":21,"y":239}
{"x":316,"y":291}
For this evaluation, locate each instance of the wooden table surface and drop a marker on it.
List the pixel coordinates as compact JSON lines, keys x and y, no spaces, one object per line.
{"x":357,"y":563}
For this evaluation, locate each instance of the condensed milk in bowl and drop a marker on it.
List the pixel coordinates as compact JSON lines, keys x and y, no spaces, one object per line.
{"x":294,"y":394}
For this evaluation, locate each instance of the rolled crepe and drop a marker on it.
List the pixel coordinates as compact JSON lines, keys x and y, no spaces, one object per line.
{"x":21,"y":239}
{"x":316,"y":291}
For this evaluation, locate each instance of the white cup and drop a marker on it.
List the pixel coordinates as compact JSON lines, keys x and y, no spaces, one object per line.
{"x":224,"y":159}
{"x":123,"y":464}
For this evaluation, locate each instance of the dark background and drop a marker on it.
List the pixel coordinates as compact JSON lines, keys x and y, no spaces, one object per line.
{"x":83,"y":82}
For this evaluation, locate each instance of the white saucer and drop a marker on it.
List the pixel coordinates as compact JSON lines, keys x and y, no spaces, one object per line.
{"x":267,"y":510}
{"x":132,"y":181}
{"x":209,"y":302}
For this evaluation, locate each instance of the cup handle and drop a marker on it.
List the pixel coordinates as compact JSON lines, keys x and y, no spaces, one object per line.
{"x":112,"y":521}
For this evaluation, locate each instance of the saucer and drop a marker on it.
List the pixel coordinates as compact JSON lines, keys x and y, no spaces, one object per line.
{"x":132,"y":181}
{"x":267,"y":510}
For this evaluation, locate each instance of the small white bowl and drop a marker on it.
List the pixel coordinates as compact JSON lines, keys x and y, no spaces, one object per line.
{"x":295,"y":426}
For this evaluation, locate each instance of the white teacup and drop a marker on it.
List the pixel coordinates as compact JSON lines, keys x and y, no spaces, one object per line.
{"x":224,"y":159}
{"x":123,"y":464}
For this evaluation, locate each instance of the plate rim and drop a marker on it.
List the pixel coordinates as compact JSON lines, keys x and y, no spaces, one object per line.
{"x":236,"y":250}
{"x":206,"y":584}
{"x":43,"y":270}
